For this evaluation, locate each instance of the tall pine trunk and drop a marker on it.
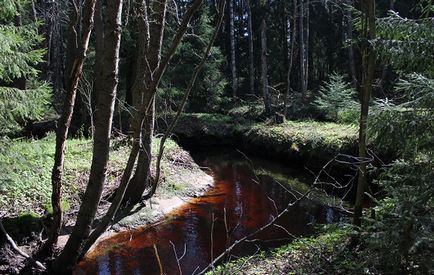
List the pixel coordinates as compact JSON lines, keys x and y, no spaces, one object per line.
{"x":368,"y":68}
{"x":264,"y":61}
{"x":233,"y":65}
{"x":251,"y":52}
{"x":293,"y":35}
{"x":349,"y":37}
{"x":107,"y":86}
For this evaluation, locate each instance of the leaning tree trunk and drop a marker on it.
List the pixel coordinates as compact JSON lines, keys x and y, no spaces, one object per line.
{"x":74,"y":74}
{"x":264,"y":63}
{"x":233,"y":65}
{"x":141,"y":179}
{"x":368,"y":67}
{"x":99,"y":46}
{"x":107,"y":86}
{"x":251,"y":52}
{"x":139,"y":120}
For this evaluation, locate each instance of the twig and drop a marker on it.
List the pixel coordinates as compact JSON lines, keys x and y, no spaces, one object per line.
{"x":178,"y":259}
{"x":18,"y":250}
{"x":158,"y":259}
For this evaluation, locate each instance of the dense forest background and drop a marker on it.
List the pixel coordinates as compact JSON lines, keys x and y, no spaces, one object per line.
{"x":307,"y":44}
{"x":137,"y":70}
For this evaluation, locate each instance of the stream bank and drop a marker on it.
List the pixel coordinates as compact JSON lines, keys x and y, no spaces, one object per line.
{"x":297,"y":143}
{"x":245,"y":196}
{"x":26,"y":187}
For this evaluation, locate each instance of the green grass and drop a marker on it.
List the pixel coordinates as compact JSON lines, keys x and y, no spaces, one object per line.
{"x":303,"y":256}
{"x":307,"y":133}
{"x":25,"y":171}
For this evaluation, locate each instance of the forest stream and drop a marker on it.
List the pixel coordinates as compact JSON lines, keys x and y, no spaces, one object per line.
{"x":247,"y":193}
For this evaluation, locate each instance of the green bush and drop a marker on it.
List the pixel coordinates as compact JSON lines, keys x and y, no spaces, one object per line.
{"x":400,"y":239}
{"x":335,"y":96}
{"x":349,"y":116}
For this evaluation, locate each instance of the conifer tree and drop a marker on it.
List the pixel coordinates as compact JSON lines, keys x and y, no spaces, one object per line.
{"x":22,"y":96}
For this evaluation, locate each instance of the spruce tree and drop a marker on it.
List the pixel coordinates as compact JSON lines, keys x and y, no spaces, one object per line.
{"x":22,"y":96}
{"x":208,"y":91}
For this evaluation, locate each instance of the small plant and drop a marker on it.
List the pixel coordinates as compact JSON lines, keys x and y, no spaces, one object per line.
{"x":335,"y":96}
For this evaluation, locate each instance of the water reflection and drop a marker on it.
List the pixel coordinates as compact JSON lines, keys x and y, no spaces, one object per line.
{"x":241,"y":201}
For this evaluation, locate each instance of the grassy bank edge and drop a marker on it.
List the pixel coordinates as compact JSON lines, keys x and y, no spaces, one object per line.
{"x":306,"y":255}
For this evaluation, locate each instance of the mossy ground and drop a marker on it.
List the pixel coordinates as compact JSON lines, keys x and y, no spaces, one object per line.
{"x":26,"y":174}
{"x":309,"y":141}
{"x":320,"y":254}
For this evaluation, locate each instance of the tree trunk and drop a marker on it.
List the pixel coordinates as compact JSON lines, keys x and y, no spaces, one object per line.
{"x":107,"y":86}
{"x":152,"y":53}
{"x":302,"y":49}
{"x":368,"y":67}
{"x":349,"y":37}
{"x":139,"y":120}
{"x":99,"y":46}
{"x":293,"y":34}
{"x":64,"y":123}
{"x":264,"y":63}
{"x":251,"y":52}
{"x":306,"y":44}
{"x":233,"y":65}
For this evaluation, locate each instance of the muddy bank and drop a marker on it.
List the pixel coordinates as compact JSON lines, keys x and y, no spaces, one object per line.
{"x":242,"y":199}
{"x":182,"y":179}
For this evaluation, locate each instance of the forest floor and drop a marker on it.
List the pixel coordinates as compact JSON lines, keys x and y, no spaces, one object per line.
{"x":326,"y":253}
{"x":26,"y":187}
{"x":309,"y":142}
{"x":25,"y":169}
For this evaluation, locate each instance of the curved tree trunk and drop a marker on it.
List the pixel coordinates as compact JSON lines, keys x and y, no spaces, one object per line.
{"x":107,"y":86}
{"x":78,"y":56}
{"x":141,"y":94}
{"x":140,"y":117}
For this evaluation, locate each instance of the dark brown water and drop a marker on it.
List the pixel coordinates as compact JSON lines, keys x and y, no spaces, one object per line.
{"x":242,"y":200}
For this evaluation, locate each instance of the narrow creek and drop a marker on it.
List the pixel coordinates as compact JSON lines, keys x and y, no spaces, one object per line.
{"x":246,"y":195}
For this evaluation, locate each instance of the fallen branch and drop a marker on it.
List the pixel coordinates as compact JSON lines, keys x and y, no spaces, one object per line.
{"x":18,"y":250}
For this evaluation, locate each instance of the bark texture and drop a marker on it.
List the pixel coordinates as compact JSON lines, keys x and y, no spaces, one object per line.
{"x":264,"y":61}
{"x":107,"y":86}
{"x":139,"y":120}
{"x":368,"y":67}
{"x":77,"y":53}
{"x":233,"y":65}
{"x":293,"y":34}
{"x":251,"y":49}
